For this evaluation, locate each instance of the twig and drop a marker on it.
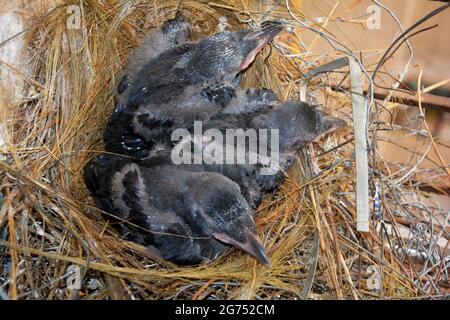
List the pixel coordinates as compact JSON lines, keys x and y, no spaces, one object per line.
{"x":419,"y":99}
{"x":312,"y":267}
{"x":429,"y":101}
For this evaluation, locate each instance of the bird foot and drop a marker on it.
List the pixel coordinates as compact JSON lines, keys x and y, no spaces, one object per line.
{"x":221,"y":94}
{"x":261,"y":96}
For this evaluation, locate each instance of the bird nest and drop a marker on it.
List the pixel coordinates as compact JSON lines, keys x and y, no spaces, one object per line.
{"x":50,"y":228}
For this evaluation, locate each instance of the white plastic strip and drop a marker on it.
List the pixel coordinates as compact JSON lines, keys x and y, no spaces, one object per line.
{"x":303,"y":91}
{"x":362,"y":165}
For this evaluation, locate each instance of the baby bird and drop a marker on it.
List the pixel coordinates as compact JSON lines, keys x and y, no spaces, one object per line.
{"x":189,"y":82}
{"x":182,"y":216}
{"x":297,"y":123}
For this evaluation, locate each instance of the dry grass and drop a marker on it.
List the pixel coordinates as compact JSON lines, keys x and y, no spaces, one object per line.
{"x":48,"y":221}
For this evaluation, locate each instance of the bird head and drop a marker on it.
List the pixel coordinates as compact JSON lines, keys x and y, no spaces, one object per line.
{"x":224,"y":55}
{"x":176,"y":30}
{"x":298,"y":124}
{"x":222,"y":212}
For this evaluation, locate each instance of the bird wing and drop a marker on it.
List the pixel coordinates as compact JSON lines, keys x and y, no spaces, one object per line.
{"x":156,"y":80}
{"x":173,"y":33}
{"x":124,"y":191}
{"x":250,"y":101}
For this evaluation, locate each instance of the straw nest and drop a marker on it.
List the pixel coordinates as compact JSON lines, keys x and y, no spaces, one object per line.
{"x":48,"y":222}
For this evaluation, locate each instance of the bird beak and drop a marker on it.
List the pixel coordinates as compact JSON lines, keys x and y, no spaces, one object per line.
{"x":251,"y":245}
{"x":331,"y":124}
{"x":263,"y":37}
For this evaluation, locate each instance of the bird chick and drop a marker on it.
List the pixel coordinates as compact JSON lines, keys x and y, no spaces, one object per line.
{"x":297,"y":124}
{"x":184,"y":217}
{"x":189,"y":82}
{"x":214,"y":60}
{"x":221,"y":57}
